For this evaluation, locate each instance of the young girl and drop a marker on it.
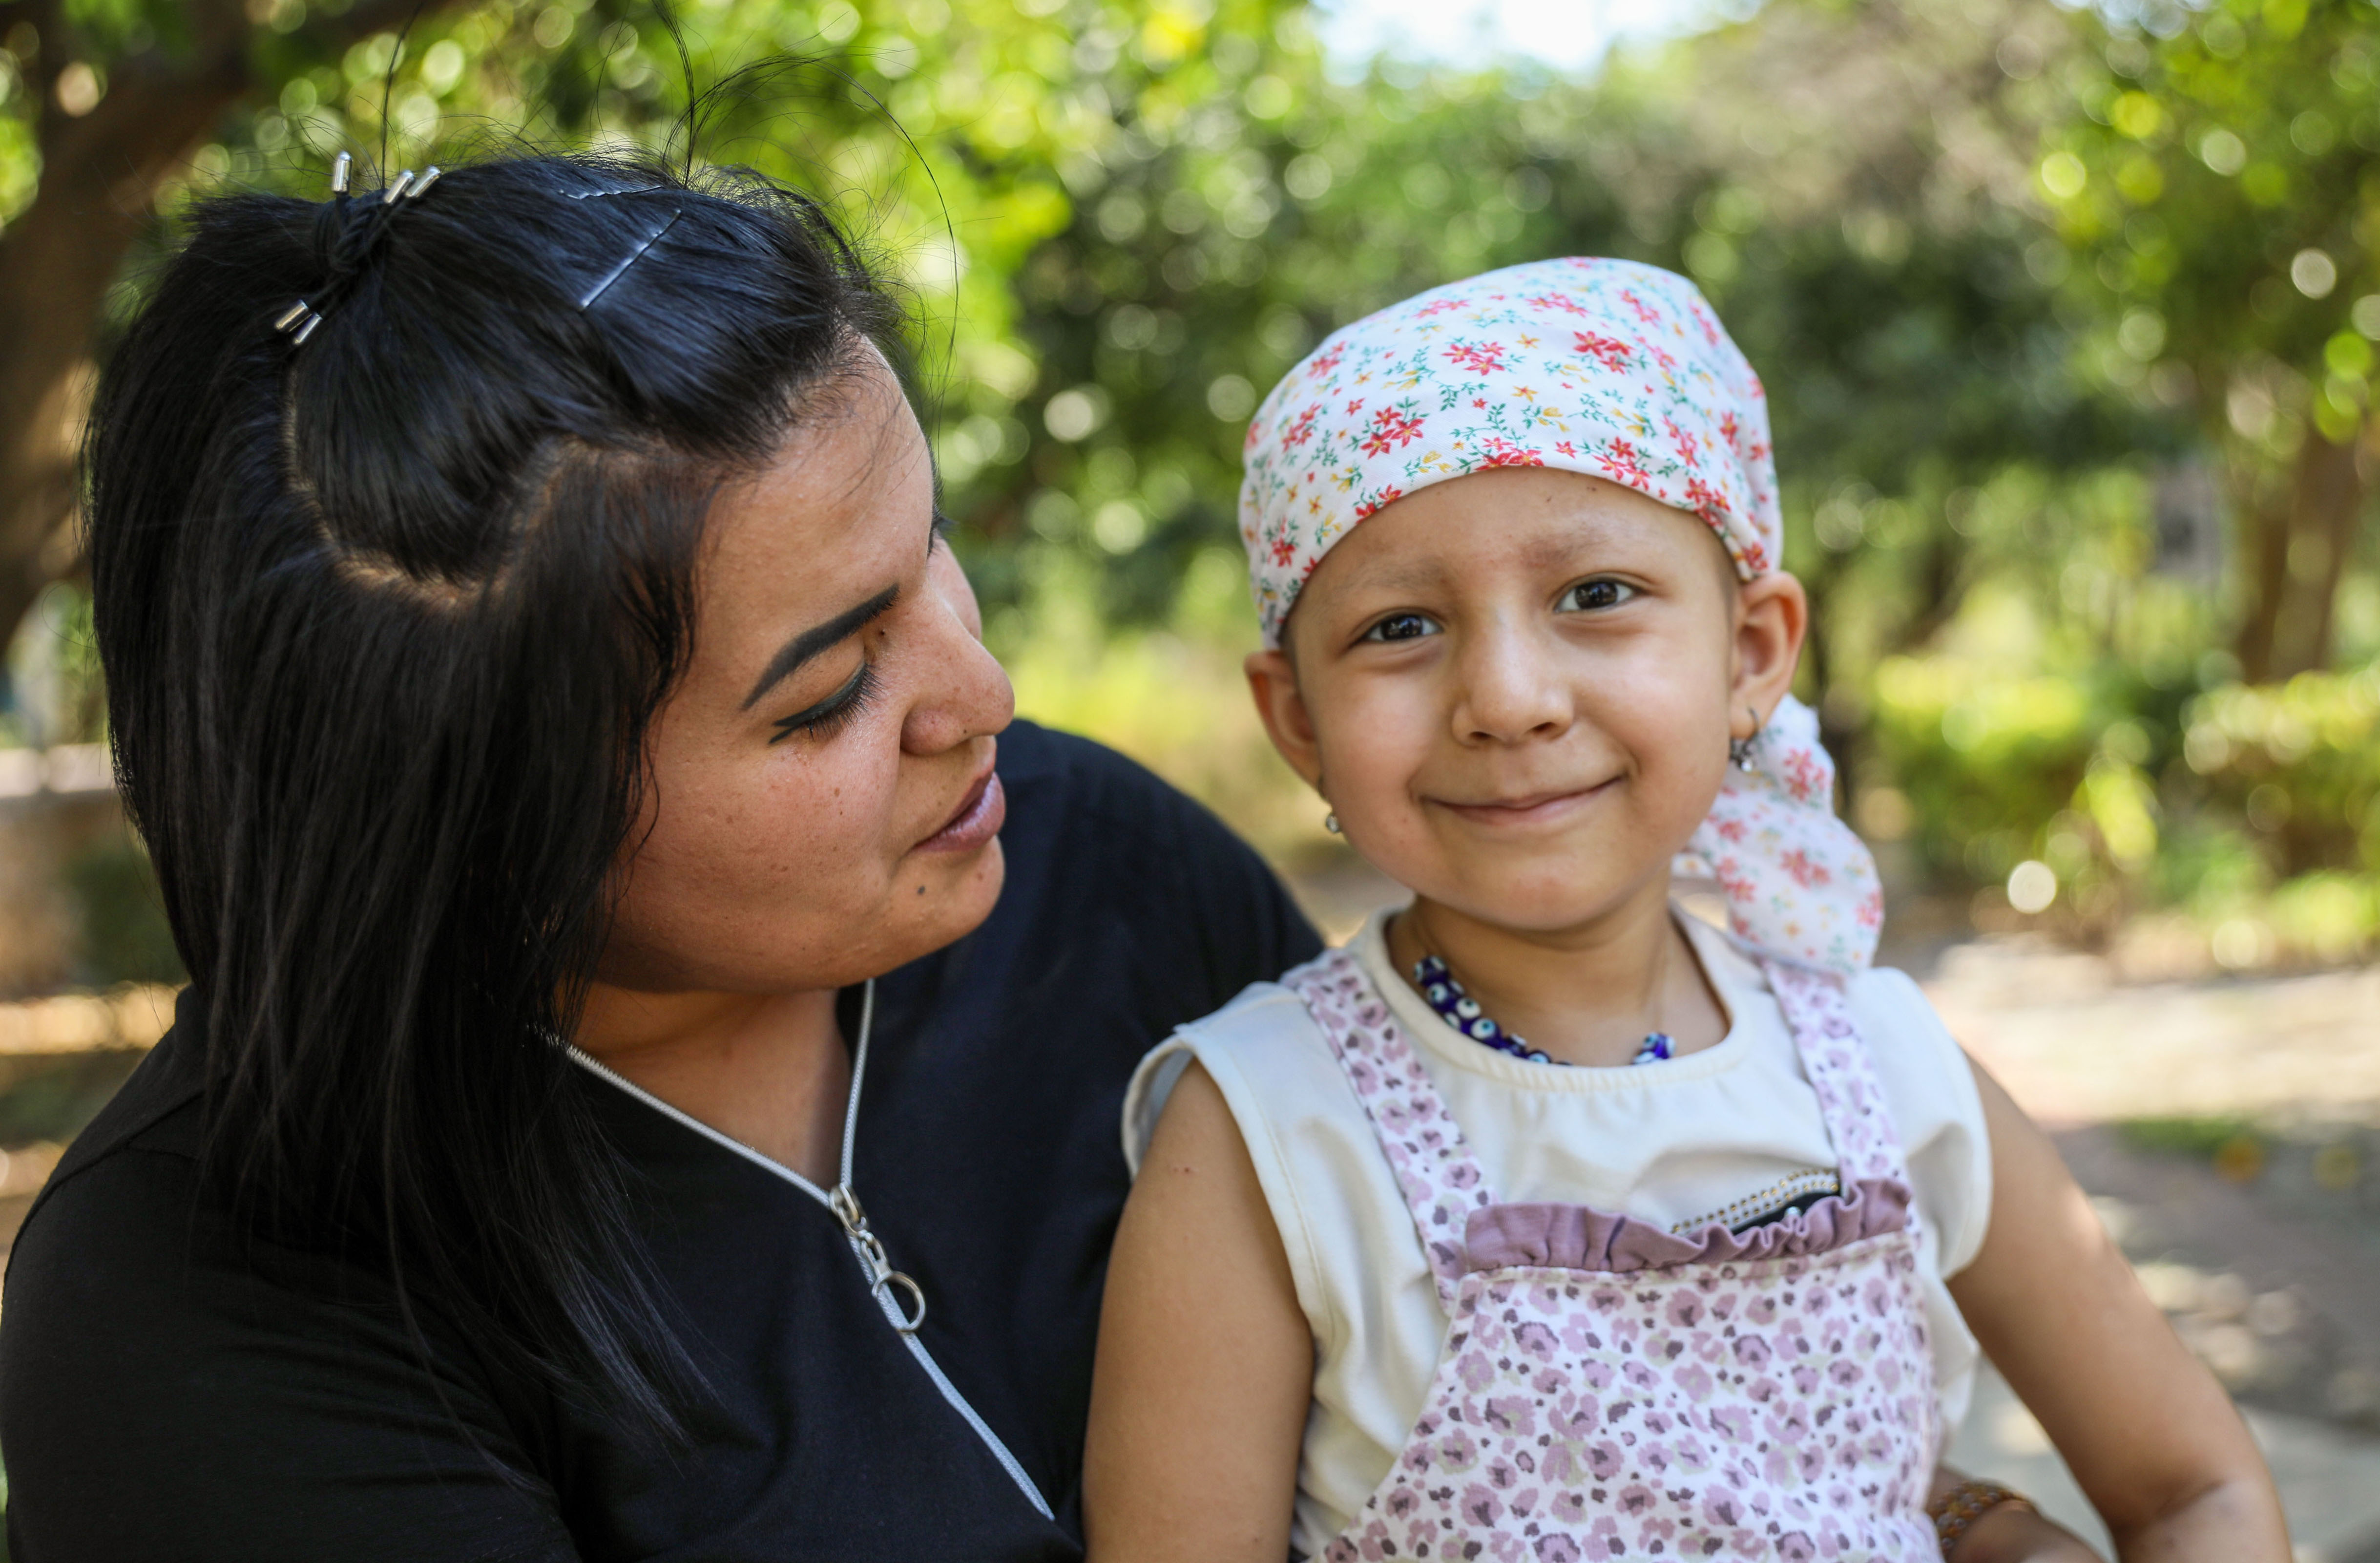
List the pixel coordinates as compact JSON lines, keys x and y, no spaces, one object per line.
{"x":1543,"y":1221}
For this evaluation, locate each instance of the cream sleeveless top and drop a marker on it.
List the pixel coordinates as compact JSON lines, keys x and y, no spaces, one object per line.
{"x":1733,"y":1131}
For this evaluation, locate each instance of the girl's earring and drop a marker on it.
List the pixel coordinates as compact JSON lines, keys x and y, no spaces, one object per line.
{"x":1739,"y":750}
{"x":1330,"y":824}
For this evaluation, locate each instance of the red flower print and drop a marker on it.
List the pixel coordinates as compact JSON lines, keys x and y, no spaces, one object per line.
{"x":1438,"y":307}
{"x":1807,"y":875}
{"x":1707,"y":502}
{"x":1324,"y":362}
{"x":1301,"y":430}
{"x":1608,"y":352}
{"x":1732,"y":830}
{"x":1661,"y":358}
{"x":1374,"y":503}
{"x":1804,"y":776}
{"x":1687,"y":444}
{"x":1643,"y":311}
{"x":1566,"y":448}
{"x":1619,"y":459}
{"x":1729,"y":426}
{"x":1283,"y":551}
{"x":1391,"y":429}
{"x":1562,"y":301}
{"x":1502,"y":452}
{"x":1485,"y":359}
{"x":1354,"y":406}
{"x":1479,"y":401}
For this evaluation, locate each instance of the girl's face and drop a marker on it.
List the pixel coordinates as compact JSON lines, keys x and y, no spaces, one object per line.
{"x":1516,"y":690}
{"x":824,"y":807}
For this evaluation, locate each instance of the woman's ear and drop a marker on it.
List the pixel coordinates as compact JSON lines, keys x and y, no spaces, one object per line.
{"x":1272,"y":679}
{"x":1772,"y":615}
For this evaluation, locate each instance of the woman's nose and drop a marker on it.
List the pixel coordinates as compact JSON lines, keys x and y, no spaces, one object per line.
{"x":1510,"y":691}
{"x":963,"y":692}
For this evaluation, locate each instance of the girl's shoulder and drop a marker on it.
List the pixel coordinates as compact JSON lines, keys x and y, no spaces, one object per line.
{"x":1265,"y":1053}
{"x":1894,"y":1017}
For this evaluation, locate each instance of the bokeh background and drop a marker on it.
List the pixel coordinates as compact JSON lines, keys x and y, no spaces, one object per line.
{"x":2067,"y":317}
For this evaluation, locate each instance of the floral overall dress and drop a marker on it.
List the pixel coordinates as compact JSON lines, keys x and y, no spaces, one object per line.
{"x":1611,"y":1389}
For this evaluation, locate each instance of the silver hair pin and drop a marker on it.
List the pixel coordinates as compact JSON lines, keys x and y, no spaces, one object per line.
{"x":300,"y":319}
{"x":630,"y":258}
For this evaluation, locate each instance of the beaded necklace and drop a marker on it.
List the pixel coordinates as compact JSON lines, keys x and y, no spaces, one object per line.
{"x":1462,"y":1011}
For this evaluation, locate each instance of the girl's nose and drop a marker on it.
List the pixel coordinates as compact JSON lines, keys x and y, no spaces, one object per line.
{"x":1510,"y":691}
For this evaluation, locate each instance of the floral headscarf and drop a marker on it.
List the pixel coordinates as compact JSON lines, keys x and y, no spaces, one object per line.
{"x":1619,"y":370}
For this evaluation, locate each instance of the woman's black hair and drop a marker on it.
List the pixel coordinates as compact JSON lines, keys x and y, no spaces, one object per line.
{"x":385,"y":617}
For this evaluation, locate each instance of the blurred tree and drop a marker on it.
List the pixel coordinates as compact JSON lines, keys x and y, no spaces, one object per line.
{"x":1851,"y":186}
{"x":954,"y":136}
{"x":2218,"y":179}
{"x":101,"y":102}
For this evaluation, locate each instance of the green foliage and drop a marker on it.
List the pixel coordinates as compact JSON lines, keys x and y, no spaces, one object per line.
{"x":2015,"y":277}
{"x":2223,"y":185}
{"x":2186,"y":1137}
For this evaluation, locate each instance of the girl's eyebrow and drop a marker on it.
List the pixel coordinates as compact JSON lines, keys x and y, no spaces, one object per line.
{"x":810,"y":643}
{"x":1397,"y":575}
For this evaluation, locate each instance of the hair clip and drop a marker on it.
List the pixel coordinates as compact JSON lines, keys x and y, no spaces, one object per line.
{"x":631,"y":259}
{"x":300,"y":319}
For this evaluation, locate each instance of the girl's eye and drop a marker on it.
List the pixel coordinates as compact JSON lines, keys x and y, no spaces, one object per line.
{"x":1599,"y":593}
{"x":1402,"y":627}
{"x":830,"y":715}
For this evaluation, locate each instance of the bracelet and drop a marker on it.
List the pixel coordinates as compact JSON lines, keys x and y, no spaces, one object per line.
{"x":1958,"y":1508}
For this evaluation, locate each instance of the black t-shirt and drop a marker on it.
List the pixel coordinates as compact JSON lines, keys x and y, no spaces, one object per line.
{"x":167,"y":1393}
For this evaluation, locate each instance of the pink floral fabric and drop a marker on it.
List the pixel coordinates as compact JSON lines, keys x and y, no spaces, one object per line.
{"x":1778,"y":1408}
{"x":1609,"y":368}
{"x":1800,"y":885}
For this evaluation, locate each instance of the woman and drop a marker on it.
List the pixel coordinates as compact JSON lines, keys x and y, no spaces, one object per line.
{"x":524,"y":619}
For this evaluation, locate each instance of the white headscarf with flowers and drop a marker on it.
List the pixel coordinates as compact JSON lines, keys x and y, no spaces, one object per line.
{"x":1612,"y":369}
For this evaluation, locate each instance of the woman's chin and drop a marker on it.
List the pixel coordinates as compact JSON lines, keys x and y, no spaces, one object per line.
{"x":943,"y":896}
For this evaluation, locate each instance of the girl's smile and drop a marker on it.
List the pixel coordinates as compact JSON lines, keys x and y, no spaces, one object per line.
{"x":1531,"y":811}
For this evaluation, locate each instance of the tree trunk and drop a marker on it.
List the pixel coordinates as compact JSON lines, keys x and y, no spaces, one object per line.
{"x":2329,"y":505}
{"x":2298,"y":544}
{"x":100,"y":174}
{"x":99,"y":177}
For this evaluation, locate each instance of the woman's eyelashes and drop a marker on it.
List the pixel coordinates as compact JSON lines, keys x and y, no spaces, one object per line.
{"x":1401,"y":627}
{"x":1589,"y":596}
{"x":830,"y":715}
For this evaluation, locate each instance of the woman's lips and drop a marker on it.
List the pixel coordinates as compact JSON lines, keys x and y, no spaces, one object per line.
{"x":977,"y":821}
{"x":1536,"y":808}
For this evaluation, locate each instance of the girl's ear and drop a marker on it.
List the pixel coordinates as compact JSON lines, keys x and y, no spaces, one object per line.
{"x":1772,"y":615}
{"x":1272,"y":679}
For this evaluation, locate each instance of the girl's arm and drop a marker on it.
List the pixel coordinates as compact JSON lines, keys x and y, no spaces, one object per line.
{"x":1205,"y":1361}
{"x":2148,"y":1432}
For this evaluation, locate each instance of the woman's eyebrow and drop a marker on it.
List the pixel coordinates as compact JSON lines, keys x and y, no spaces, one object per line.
{"x":810,"y":642}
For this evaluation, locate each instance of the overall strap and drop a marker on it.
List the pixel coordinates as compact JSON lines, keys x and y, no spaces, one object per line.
{"x":1842,"y":1072}
{"x":1441,"y":1182}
